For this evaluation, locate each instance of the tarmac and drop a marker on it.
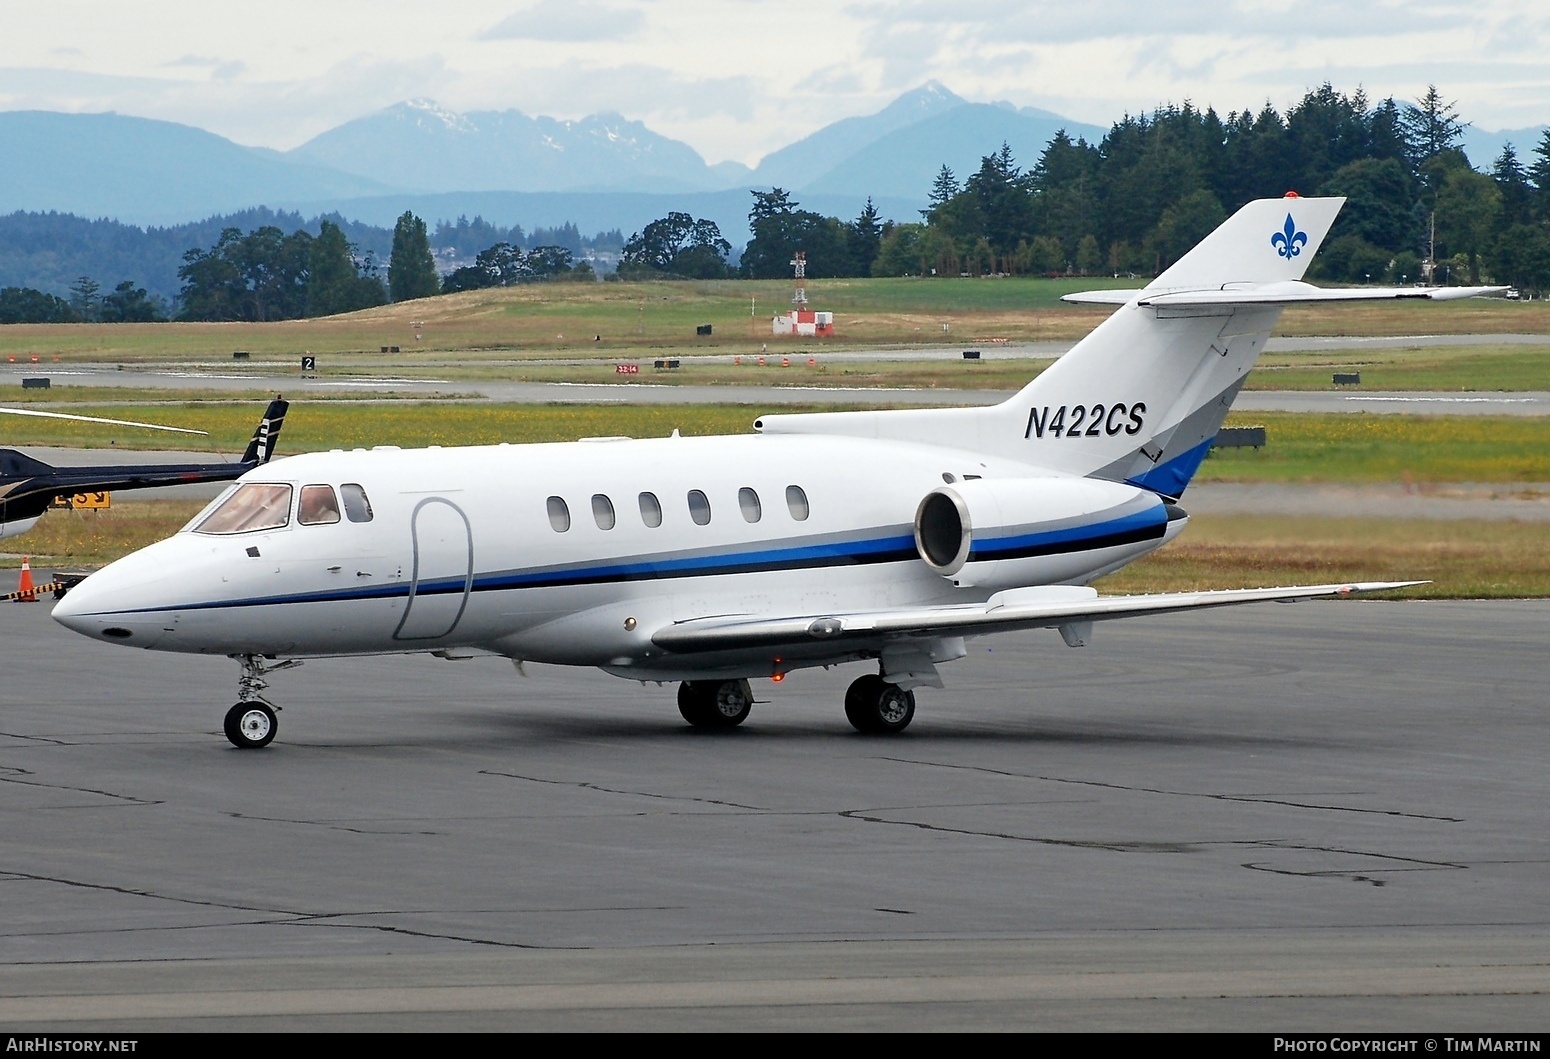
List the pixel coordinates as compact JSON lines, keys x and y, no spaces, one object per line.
{"x":794,"y":389}
{"x":1317,"y":817}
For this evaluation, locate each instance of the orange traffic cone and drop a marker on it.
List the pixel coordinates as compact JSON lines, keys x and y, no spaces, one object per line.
{"x":24,"y":592}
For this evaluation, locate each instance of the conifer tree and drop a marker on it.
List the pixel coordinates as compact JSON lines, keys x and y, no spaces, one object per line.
{"x":411,"y":269}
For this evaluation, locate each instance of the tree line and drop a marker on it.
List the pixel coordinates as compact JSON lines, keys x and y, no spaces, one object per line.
{"x":1156,"y":184}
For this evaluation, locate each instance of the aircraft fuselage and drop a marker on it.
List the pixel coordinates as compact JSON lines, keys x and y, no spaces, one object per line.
{"x":463,"y":550}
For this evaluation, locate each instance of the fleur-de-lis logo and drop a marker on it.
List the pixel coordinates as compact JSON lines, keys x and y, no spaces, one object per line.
{"x":1289,"y":241}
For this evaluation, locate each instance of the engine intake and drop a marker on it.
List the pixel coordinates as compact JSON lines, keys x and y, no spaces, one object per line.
{"x":1008,"y":532}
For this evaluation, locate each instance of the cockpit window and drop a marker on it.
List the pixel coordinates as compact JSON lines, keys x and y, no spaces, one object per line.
{"x":357,"y":508}
{"x":254,"y":506}
{"x":318,"y":506}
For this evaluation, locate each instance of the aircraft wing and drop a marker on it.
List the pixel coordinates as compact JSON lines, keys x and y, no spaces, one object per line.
{"x":1016,"y":609}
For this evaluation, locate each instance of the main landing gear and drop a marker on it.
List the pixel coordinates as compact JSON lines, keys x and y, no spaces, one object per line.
{"x":872,"y":705}
{"x":876,"y":707}
{"x":715,"y":703}
{"x":252,"y":724}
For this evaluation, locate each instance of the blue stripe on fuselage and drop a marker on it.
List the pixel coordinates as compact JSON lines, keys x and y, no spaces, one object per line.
{"x":891,"y":549}
{"x":1127,"y":529}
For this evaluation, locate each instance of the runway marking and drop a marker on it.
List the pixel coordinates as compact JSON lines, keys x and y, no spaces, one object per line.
{"x":1180,"y":794}
{"x":1450,"y":400}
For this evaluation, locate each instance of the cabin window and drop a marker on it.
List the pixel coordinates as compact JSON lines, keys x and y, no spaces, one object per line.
{"x":252,"y":507}
{"x":602,"y":511}
{"x":318,"y":507}
{"x":357,"y":508}
{"x":650,"y":510}
{"x":699,"y":507}
{"x":748,"y":504}
{"x":559,"y":514}
{"x":796,"y":502}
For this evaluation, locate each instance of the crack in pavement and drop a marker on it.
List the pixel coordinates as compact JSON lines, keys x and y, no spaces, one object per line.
{"x":766,"y":811}
{"x":289,"y":917}
{"x":37,"y":738}
{"x":1165,"y":847}
{"x":1252,"y":799}
{"x":583,"y":785}
{"x":18,"y":772}
{"x":322,"y":823}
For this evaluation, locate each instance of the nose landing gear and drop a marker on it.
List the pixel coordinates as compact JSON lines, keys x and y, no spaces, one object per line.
{"x":252,"y":724}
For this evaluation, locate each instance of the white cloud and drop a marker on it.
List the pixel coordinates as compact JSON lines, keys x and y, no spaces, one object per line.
{"x":739,"y":79}
{"x":564,"y":20}
{"x":219,"y":69}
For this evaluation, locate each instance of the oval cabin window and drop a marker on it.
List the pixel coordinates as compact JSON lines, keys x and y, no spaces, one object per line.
{"x":559,"y":514}
{"x":602,"y":511}
{"x":796,"y":502}
{"x":748,"y":504}
{"x":699,"y":507}
{"x":650,"y":510}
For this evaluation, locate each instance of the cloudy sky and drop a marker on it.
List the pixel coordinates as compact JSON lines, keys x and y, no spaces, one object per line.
{"x":738,"y":78}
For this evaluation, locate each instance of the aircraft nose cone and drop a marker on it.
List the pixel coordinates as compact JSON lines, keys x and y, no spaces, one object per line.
{"x":77,"y":611}
{"x":117,"y":603}
{"x":68,"y":611}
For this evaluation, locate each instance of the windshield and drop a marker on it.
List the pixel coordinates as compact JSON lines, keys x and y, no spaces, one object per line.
{"x":254,"y":506}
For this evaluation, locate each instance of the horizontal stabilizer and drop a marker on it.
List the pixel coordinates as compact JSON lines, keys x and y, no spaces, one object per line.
{"x":1288,"y":293}
{"x":1028,"y":608}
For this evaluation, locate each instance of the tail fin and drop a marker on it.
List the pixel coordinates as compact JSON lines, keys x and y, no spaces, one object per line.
{"x":261,"y":448}
{"x":1140,"y":398}
{"x":1267,"y":241}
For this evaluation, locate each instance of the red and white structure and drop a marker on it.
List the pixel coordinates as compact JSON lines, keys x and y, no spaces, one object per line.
{"x":801,"y":320}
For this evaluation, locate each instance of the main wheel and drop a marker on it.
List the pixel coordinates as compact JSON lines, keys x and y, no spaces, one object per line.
{"x":713,"y":704}
{"x":730,"y":702}
{"x":873,"y":705}
{"x":692,"y":704}
{"x":860,"y":698}
{"x":251,"y":725}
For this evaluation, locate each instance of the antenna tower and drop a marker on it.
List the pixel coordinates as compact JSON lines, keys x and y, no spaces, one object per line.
{"x":799,"y":299}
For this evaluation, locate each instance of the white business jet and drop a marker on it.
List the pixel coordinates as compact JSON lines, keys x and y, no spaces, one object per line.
{"x":889,"y":536}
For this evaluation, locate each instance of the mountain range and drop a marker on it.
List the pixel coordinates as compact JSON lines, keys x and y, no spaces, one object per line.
{"x":604,"y":170}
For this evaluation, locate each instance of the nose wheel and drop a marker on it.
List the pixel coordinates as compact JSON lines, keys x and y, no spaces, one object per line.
{"x":876,"y":707}
{"x":251,"y":725}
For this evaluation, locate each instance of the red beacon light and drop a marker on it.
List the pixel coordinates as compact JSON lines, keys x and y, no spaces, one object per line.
{"x":1292,"y":195}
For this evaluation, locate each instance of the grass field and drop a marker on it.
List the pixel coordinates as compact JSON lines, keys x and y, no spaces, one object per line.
{"x":1439,"y":368}
{"x":1464,"y":559}
{"x":546,"y":319}
{"x":311,"y":427}
{"x":1359,"y":447}
{"x":1471,"y":559}
{"x":1339,"y":447}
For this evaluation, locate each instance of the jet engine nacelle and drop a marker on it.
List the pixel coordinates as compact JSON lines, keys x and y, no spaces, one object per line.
{"x":1000,"y":533}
